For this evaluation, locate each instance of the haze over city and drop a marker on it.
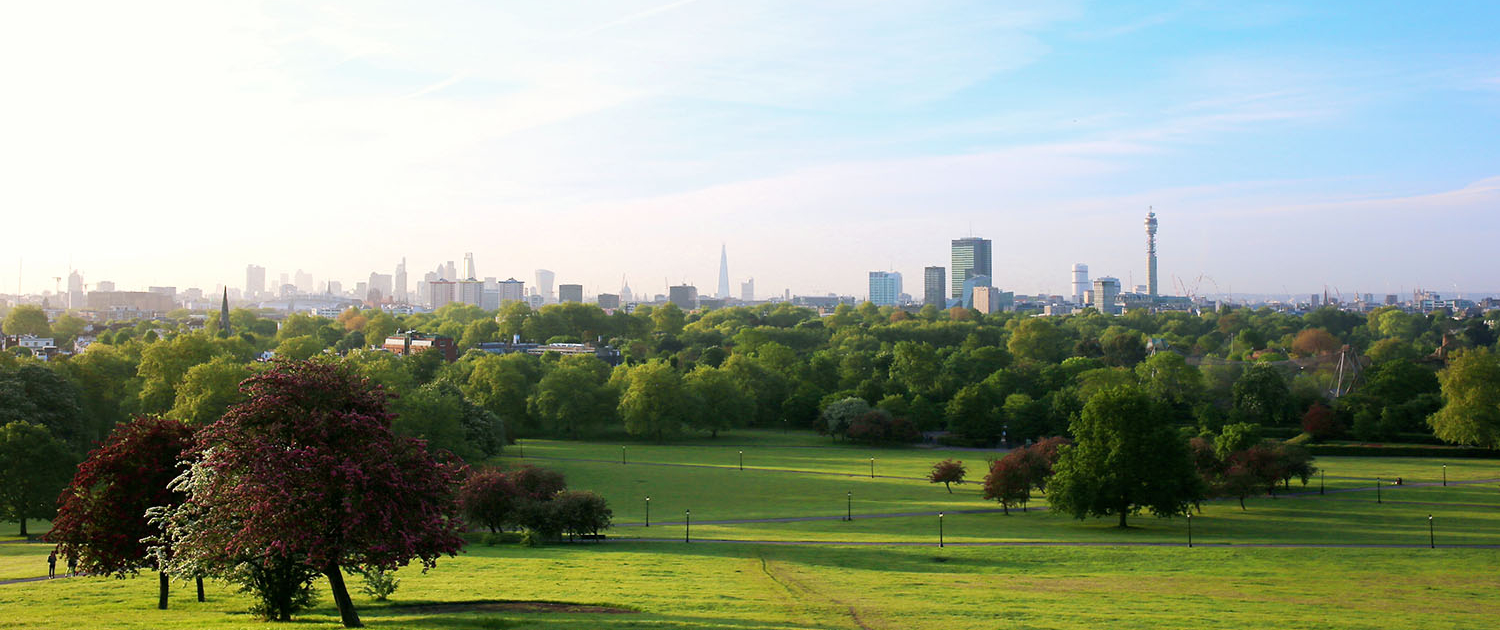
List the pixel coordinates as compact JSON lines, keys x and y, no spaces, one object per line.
{"x":1285,"y":147}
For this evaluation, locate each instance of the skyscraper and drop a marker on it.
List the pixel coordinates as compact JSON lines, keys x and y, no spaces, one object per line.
{"x":544,"y":284}
{"x":75,"y":289}
{"x":1106,"y":289}
{"x":570,"y":293}
{"x":512,"y":290}
{"x":1151,"y":254}
{"x":255,"y":281}
{"x":468,"y":266}
{"x":934,"y":283}
{"x":723,"y":273}
{"x":885,"y":288}
{"x":747,"y":291}
{"x":401,"y":294}
{"x":685,"y":296}
{"x":379,"y":282}
{"x":304,"y":282}
{"x":971,"y":257}
{"x":1080,"y":282}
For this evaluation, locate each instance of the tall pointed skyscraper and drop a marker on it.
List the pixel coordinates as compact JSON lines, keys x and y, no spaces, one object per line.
{"x":723,"y":293}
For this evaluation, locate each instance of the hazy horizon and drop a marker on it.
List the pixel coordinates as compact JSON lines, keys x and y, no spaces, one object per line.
{"x":1283,"y":147}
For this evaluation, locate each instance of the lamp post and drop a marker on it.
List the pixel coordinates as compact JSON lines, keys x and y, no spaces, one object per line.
{"x":1320,"y":482}
{"x":1431,"y":537}
{"x":940,"y":529}
{"x":521,"y":450}
{"x":1190,"y":530}
{"x":872,"y":467}
{"x":622,"y":456}
{"x":688,"y":532}
{"x":648,"y":511}
{"x":1377,"y":490}
{"x":742,"y":461}
{"x":849,"y":505}
{"x":1445,"y":475}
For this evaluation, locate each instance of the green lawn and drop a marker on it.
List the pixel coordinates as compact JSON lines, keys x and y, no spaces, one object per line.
{"x":747,"y":587}
{"x":740,"y":586}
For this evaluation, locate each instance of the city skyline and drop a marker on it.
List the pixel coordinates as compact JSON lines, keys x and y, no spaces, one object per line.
{"x":1282,"y":145}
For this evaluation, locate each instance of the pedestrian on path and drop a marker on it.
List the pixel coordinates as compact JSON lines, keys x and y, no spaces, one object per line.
{"x":72,"y":565}
{"x":52,"y":564}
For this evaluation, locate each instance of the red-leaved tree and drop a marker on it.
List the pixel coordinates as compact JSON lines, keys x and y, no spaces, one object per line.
{"x":1045,"y":454}
{"x":306,"y":478}
{"x":489,"y":497}
{"x":101,"y":517}
{"x":1320,"y":423}
{"x":946,"y":472}
{"x":1011,"y":478}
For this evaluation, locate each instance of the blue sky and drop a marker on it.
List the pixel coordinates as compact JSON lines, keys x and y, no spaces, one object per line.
{"x":1283,"y":145}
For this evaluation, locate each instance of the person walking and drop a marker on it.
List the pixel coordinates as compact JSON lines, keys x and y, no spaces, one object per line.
{"x":72,"y":565}
{"x":52,"y":564}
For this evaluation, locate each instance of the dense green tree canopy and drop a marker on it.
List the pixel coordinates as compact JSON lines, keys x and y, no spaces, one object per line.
{"x":1125,"y":458}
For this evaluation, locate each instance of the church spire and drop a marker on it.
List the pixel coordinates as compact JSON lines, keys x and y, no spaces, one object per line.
{"x":224,"y":314}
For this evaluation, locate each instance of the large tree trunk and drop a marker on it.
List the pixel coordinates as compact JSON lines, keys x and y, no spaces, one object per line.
{"x":1122,"y":518}
{"x":23,"y":527}
{"x":200,"y":590}
{"x":341,"y":597}
{"x":162,"y":583}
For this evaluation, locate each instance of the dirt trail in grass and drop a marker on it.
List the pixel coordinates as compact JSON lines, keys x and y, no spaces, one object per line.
{"x":801,"y":592}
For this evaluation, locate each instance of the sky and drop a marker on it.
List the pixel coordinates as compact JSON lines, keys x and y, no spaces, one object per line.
{"x":1285,"y":146}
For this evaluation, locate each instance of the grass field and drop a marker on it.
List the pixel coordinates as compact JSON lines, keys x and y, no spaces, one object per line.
{"x":902,"y":579}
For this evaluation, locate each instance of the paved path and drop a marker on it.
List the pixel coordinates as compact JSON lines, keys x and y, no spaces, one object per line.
{"x":726,"y":467}
{"x":1042,"y":508}
{"x":60,"y":576}
{"x":803,"y":519}
{"x":1032,"y":543}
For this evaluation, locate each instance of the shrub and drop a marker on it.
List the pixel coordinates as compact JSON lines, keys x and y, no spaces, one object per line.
{"x":379,"y":583}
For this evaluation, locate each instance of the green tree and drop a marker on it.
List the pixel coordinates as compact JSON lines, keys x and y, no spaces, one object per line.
{"x":916,"y":367}
{"x":1124,"y":458}
{"x":574,"y":398}
{"x":34,"y":468}
{"x":668,"y":319}
{"x":27,"y":319}
{"x":107,"y":385}
{"x":502,"y":383}
{"x":1037,"y":339}
{"x":839,"y":415}
{"x":163,"y":366}
{"x":655,"y":402}
{"x":67,"y":328}
{"x":1471,"y":394}
{"x":724,"y":402}
{"x":208,"y":390}
{"x":379,"y":326}
{"x":1168,"y":377}
{"x":1262,"y":396}
{"x":37,"y":395}
{"x":435,"y":412}
{"x":1236,"y":437}
{"x":299,"y":348}
{"x":974,"y":413}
